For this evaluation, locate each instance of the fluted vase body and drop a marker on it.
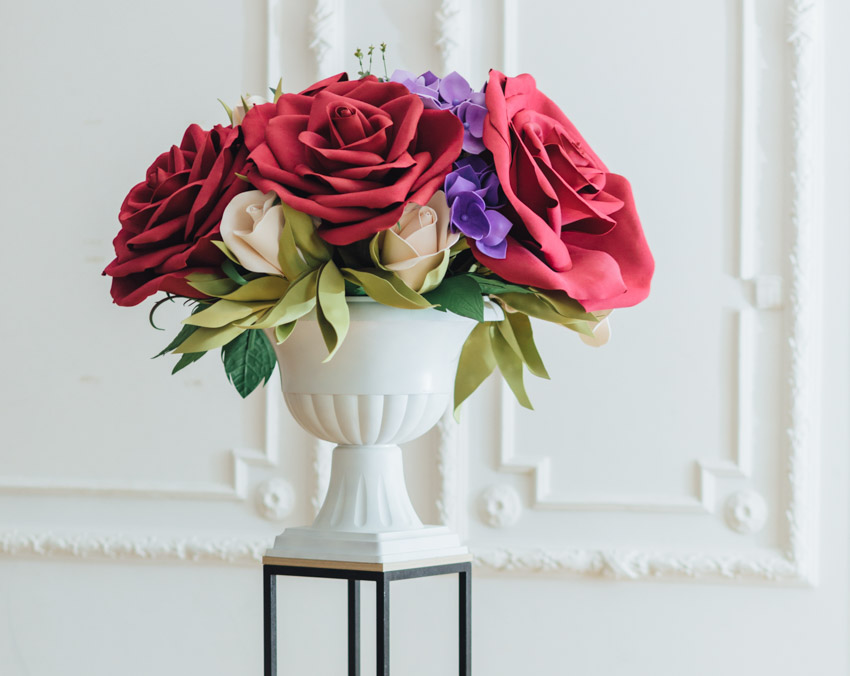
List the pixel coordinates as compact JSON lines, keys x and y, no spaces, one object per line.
{"x":390,"y":382}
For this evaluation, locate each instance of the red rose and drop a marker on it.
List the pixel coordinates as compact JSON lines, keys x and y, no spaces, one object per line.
{"x":352,"y":153}
{"x":575,"y":225}
{"x":167,"y":222}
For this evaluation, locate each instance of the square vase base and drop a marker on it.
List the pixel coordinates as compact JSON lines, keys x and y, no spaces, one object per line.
{"x":428,"y":542}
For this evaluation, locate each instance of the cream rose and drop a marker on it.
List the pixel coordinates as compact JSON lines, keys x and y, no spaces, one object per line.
{"x":419,"y":244}
{"x":238,"y":113}
{"x":251,"y":227}
{"x":601,"y":334}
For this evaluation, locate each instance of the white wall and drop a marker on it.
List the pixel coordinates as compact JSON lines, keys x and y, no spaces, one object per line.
{"x":129,"y":532}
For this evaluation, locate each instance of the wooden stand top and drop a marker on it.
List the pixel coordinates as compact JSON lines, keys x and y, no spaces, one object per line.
{"x":366,"y":566}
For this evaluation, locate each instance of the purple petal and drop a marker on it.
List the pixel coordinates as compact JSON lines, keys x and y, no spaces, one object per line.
{"x":477,"y":164}
{"x":469,"y":217}
{"x":498,"y":251}
{"x":471,"y":144}
{"x":491,"y":191}
{"x":474,"y":119}
{"x":500,"y":226}
{"x":404,"y":77}
{"x":429,"y":79}
{"x":454,"y":88}
{"x":456,"y":184}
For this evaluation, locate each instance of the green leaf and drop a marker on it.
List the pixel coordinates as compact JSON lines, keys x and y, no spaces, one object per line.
{"x":225,"y":250}
{"x":434,"y":278}
{"x":537,"y":306}
{"x":211,"y":285}
{"x":223,"y":312}
{"x":520,"y":325}
{"x":185,"y":360}
{"x":332,"y":310}
{"x":283,"y":331}
{"x":185,"y":331}
{"x":291,"y":262}
{"x":228,"y":110}
{"x":510,"y":365}
{"x":277,"y":91}
{"x":493,"y":285}
{"x":386,"y":287}
{"x":566,"y":306}
{"x":375,"y":249}
{"x":268,"y":287}
{"x":248,"y":361}
{"x":353,"y":289}
{"x":230,"y":270}
{"x":204,"y":339}
{"x":476,"y":363}
{"x":312,"y":247}
{"x":299,"y":299}
{"x":460,"y":295}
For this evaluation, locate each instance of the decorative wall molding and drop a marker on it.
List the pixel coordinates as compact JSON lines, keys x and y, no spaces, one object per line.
{"x":500,"y":505}
{"x":453,"y":35}
{"x":745,"y":512}
{"x":275,"y":499}
{"x":639,"y":564}
{"x":447,"y":450}
{"x":127,"y":547}
{"x":797,"y":561}
{"x":327,"y":37}
{"x":243,"y":460}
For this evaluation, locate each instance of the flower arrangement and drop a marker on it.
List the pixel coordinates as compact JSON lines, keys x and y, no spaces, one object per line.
{"x":417,"y":191}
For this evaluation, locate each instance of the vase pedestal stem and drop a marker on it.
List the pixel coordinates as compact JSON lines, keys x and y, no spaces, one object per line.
{"x":367,"y":515}
{"x":367,"y":492}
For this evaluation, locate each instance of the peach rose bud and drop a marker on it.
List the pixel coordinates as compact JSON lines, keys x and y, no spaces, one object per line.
{"x":251,"y":227}
{"x":419,"y":243}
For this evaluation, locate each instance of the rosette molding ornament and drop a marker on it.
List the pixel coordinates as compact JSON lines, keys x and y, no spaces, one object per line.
{"x":796,"y":563}
{"x":745,"y":511}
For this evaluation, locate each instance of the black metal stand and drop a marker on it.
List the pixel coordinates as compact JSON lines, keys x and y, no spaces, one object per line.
{"x":381,"y":575}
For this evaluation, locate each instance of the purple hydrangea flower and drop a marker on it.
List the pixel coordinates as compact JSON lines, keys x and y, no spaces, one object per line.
{"x":450,"y":93}
{"x":472,"y":191}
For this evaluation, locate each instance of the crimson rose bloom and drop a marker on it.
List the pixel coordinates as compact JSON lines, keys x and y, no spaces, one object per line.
{"x":167,"y":221}
{"x":352,"y":153}
{"x":575,"y":224}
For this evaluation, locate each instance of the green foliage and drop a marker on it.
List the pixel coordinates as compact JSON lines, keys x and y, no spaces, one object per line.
{"x":460,"y":294}
{"x":185,"y":360}
{"x":248,"y":361}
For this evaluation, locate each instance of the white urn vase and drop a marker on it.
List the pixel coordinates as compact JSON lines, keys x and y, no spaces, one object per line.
{"x":390,"y":382}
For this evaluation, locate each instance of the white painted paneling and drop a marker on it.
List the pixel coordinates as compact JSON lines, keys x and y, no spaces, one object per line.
{"x":121,"y":516}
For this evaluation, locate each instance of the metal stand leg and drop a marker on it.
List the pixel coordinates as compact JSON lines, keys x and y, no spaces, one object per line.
{"x":382,"y":613}
{"x":269,"y":621}
{"x":465,"y":620}
{"x":354,"y":628}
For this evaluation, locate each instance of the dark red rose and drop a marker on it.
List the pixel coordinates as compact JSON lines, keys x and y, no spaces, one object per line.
{"x":167,"y":221}
{"x":575,"y":224}
{"x":353,"y":153}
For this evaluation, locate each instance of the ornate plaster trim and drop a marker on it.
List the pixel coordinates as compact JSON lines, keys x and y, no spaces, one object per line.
{"x":453,"y":35}
{"x":797,"y":561}
{"x":243,"y":460}
{"x":132,"y":547}
{"x":327,"y":37}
